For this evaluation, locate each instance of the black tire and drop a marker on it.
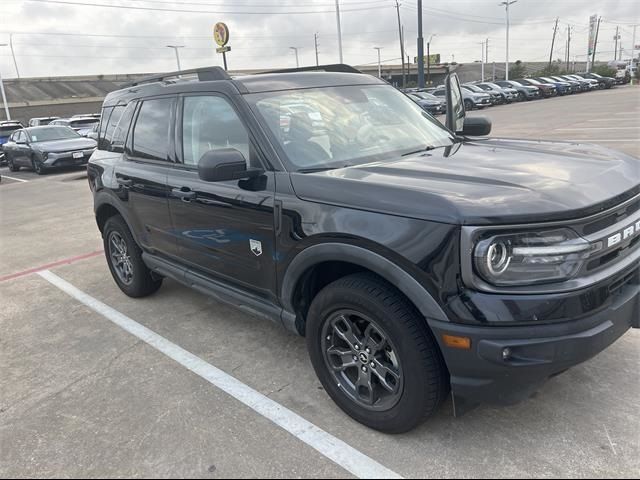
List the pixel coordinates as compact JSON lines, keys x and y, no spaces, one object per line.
{"x":12,"y":166}
{"x":142,"y":282}
{"x":521,"y":97}
{"x":468,"y":105}
{"x":37,"y":167}
{"x":423,"y":379}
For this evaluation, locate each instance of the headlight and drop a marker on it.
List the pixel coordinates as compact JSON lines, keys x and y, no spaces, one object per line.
{"x":531,"y":258}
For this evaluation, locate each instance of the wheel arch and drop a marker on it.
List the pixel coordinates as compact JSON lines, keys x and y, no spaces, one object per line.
{"x":346,"y":259}
{"x":105,"y":208}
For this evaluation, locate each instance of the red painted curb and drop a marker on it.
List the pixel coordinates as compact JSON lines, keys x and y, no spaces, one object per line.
{"x":66,"y":261}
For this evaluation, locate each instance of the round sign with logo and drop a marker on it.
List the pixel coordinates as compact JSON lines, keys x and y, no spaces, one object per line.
{"x":221,"y":34}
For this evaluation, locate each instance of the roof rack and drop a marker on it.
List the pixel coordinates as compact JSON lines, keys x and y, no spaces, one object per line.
{"x":205,"y":74}
{"x":336,"y":67}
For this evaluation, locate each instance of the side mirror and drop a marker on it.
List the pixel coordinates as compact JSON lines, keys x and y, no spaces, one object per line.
{"x":476,"y":126}
{"x":455,"y":103}
{"x":225,"y":164}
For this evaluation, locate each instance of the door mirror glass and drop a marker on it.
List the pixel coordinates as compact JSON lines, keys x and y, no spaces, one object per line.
{"x":225,"y":164}
{"x":455,"y":104}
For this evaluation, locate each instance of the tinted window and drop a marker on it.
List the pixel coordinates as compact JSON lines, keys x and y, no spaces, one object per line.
{"x":151,"y":132}
{"x":122,"y":128}
{"x":211,"y":123}
{"x":111,"y":117}
{"x":45,"y":134}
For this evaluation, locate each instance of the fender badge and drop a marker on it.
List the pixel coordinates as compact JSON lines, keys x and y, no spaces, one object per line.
{"x":256,"y":247}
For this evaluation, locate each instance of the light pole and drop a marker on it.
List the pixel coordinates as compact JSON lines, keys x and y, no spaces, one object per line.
{"x":13,"y":54}
{"x":482,"y":62}
{"x":339,"y":29}
{"x":429,"y":59}
{"x":4,"y":96}
{"x":420,"y":48}
{"x":506,"y":63}
{"x":379,"y":65}
{"x":175,"y":48}
{"x":295,"y":49}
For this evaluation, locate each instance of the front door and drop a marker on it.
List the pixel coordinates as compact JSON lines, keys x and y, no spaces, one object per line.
{"x":224,"y":229}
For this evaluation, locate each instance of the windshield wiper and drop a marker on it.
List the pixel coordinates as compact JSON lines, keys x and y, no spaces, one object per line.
{"x":424,"y":149}
{"x":321,"y":169}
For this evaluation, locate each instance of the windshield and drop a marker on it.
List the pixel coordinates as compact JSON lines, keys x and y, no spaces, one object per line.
{"x":428,"y":96}
{"x":532,"y":81}
{"x":52,"y":133}
{"x":8,"y":130}
{"x":473,"y":88}
{"x":341,"y":126}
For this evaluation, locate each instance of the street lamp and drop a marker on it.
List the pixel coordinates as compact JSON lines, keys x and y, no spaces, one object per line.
{"x":429,"y":58}
{"x":506,"y":63}
{"x":175,"y":48}
{"x":379,"y":66}
{"x":295,"y":49}
{"x":4,"y":96}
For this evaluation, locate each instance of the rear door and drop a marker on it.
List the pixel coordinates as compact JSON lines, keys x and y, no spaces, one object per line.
{"x":224,"y":229}
{"x":142,"y":175}
{"x":22,"y":152}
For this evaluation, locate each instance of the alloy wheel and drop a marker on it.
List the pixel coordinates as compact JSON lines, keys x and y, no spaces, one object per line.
{"x":362,"y":360}
{"x":120,"y":259}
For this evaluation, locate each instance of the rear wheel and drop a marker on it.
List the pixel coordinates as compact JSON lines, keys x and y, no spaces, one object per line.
{"x":124,"y":258}
{"x":374,"y":354}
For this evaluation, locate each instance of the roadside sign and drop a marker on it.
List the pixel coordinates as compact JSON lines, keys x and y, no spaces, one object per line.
{"x":221,"y":34}
{"x":432,"y":59}
{"x":223,"y":49}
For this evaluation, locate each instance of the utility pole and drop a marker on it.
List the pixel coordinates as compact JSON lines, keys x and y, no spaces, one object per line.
{"x":486,"y":55}
{"x":569,"y":27}
{"x":379,"y":64}
{"x":482,"y":62}
{"x":339,"y":30}
{"x":553,"y":41}
{"x":616,"y":38}
{"x":633,"y":46}
{"x":295,"y":49}
{"x":420,"y":48}
{"x":506,"y":63}
{"x":13,"y":54}
{"x":595,"y":44}
{"x":4,"y":96}
{"x":429,"y":59}
{"x":315,"y":41}
{"x":404,"y":78}
{"x":175,"y":48}
{"x":494,"y":71}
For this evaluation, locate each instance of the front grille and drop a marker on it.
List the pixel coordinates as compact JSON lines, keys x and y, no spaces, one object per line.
{"x":611,"y":218}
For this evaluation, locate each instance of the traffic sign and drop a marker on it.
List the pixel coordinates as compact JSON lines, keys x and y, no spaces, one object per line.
{"x":221,"y":34}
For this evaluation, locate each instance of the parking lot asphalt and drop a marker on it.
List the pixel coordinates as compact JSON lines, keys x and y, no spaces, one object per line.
{"x":80,"y":396}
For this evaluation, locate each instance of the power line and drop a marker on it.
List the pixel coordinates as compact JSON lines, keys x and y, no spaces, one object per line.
{"x":179,"y":10}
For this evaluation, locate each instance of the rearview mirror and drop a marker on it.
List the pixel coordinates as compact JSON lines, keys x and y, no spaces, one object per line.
{"x":455,"y":105}
{"x":476,"y":126}
{"x":225,"y":164}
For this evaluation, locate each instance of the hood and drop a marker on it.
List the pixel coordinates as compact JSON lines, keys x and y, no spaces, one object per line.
{"x":494,"y":181}
{"x":65,"y":145}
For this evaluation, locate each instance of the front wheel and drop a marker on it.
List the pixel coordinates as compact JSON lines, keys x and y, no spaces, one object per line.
{"x":12,"y":167}
{"x":468,"y":105}
{"x":37,"y":167}
{"x":124,"y":258}
{"x":374,"y":354}
{"x":521,"y":97}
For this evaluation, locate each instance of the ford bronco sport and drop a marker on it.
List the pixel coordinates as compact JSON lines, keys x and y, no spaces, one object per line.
{"x":415,"y":258}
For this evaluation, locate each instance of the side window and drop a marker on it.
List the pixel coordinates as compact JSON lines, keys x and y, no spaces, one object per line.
{"x":151,"y":131}
{"x":211,"y":123}
{"x":122,"y":127}
{"x":21,"y":137}
{"x":106,"y":113}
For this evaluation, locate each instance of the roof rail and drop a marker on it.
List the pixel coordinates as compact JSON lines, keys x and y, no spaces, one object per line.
{"x":336,"y":67}
{"x":205,"y":74}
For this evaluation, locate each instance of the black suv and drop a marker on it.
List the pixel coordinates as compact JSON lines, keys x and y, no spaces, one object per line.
{"x":414,"y":258}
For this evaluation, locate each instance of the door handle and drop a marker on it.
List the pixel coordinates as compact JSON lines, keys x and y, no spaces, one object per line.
{"x":125,"y":182}
{"x":185,"y":194}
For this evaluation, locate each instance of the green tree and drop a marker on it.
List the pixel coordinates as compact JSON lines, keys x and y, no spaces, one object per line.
{"x":518,"y":70}
{"x":605,"y":71}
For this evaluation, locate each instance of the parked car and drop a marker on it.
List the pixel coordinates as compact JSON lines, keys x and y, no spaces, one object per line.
{"x":588,"y":83}
{"x":40,"y":121}
{"x":563,"y":88}
{"x":525,"y":92}
{"x":7,"y":127}
{"x":496,"y":98}
{"x":605,"y":82}
{"x":415,"y":259}
{"x":576,"y":86}
{"x":547,"y":90}
{"x":85,"y":115}
{"x":82,"y":125}
{"x":470,"y":98}
{"x":48,"y":147}
{"x":430,"y":103}
{"x":508,"y":94}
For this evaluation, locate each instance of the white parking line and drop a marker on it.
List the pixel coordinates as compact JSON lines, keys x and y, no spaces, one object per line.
{"x":602,"y":140}
{"x":575,"y":129}
{"x":14,"y":178}
{"x":347,"y":457}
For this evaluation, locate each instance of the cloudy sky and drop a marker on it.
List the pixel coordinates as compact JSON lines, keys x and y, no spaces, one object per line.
{"x":74,"y":37}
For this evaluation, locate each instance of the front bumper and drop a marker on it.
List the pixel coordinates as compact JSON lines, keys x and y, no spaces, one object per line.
{"x":66,"y":159}
{"x":506,"y":365}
